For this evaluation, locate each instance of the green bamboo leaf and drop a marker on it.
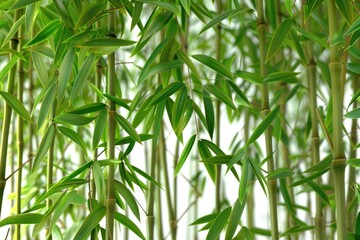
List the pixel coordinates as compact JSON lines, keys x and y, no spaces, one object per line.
{"x":279,"y":37}
{"x":14,"y":28}
{"x":296,"y":229}
{"x":205,"y":219}
{"x":245,"y":173}
{"x":60,"y":186}
{"x":128,"y":224}
{"x":218,"y":224}
{"x":8,"y":67}
{"x":236,"y":213}
{"x":7,"y":51}
{"x":236,"y":158}
{"x":128,"y":127}
{"x":135,"y":18}
{"x":160,"y":68}
{"x":186,"y":5}
{"x":22,"y":4}
{"x":146,"y":176}
{"x":346,"y":10}
{"x":99,"y":182}
{"x":354,"y":162}
{"x":73,"y":119}
{"x":280,"y":173}
{"x":323,"y":164}
{"x":353,"y":114}
{"x":106,"y":45}
{"x":90,"y":13}
{"x":220,"y":159}
{"x":357,"y":225}
{"x":99,"y":128}
{"x":44,"y":221}
{"x":205,"y":153}
{"x":354,"y":27}
{"x":310,"y":6}
{"x":286,"y":196}
{"x":354,"y":68}
{"x":128,"y":197}
{"x":84,"y":73}
{"x":64,"y":14}
{"x":73,"y":136}
{"x":43,"y":146}
{"x":23,"y":218}
{"x":239,"y":92}
{"x":90,"y":108}
{"x":185,"y":58}
{"x":313,"y":38}
{"x":184,"y":154}
{"x":288,"y":6}
{"x":250,"y":77}
{"x":287,"y":77}
{"x":214,"y":65}
{"x":258,"y":173}
{"x":166,"y":92}
{"x":354,"y":98}
{"x":90,"y":222}
{"x":223,"y":16}
{"x":65,"y":72}
{"x":117,"y":101}
{"x":151,"y":59}
{"x":6,"y":4}
{"x":156,"y":24}
{"x":213,"y":147}
{"x":220,"y":95}
{"x":77,"y":172}
{"x":318,"y":189}
{"x":47,"y":31}
{"x":298,"y":47}
{"x":46,"y":105}
{"x":16,"y":105}
{"x":309,"y":178}
{"x":179,"y":106}
{"x":168,"y":6}
{"x":262,"y":126}
{"x":40,"y":67}
{"x":209,"y":113}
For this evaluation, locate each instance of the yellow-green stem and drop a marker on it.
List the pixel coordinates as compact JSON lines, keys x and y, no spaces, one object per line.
{"x":20,"y":138}
{"x":110,"y":201}
{"x":261,"y":28}
{"x":7,"y":116}
{"x":151,"y":196}
{"x":339,"y":159}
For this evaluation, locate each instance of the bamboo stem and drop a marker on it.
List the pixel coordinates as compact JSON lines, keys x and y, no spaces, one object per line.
{"x":7,"y":116}
{"x":110,"y":201}
{"x":261,"y":27}
{"x":20,"y":138}
{"x":315,"y":140}
{"x":339,"y":159}
{"x":151,"y":195}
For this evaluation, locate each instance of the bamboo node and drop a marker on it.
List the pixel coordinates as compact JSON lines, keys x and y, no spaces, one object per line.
{"x":339,"y":162}
{"x":110,"y":202}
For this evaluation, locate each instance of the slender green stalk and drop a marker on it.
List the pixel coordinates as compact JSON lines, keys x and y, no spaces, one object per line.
{"x":339,"y":159}
{"x":217,"y":112}
{"x":315,"y":140}
{"x":261,"y":27}
{"x":151,"y":196}
{"x":159,"y":216}
{"x":7,"y":117}
{"x":20,"y":138}
{"x":175,"y":185}
{"x":250,"y":199}
{"x":172,"y":219}
{"x":351,"y":216}
{"x":110,"y":201}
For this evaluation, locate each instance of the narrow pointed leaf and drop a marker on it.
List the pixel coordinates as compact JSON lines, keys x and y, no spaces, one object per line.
{"x":16,"y":105}
{"x":168,"y":6}
{"x":214,"y":65}
{"x":89,"y":13}
{"x":43,"y":146}
{"x":90,"y":222}
{"x":46,"y":105}
{"x":84,"y":73}
{"x":127,"y":127}
{"x":99,"y":182}
{"x":279,"y":38}
{"x":23,"y":218}
{"x":280,"y":173}
{"x":166,"y":92}
{"x":90,"y":108}
{"x":129,"y":224}
{"x":73,"y":119}
{"x":262,"y":126}
{"x":73,"y":136}
{"x":309,"y":178}
{"x":313,"y":37}
{"x":46,"y":32}
{"x":220,"y":95}
{"x":8,"y":67}
{"x":14,"y":28}
{"x":160,"y":68}
{"x":22,"y":4}
{"x":129,"y":198}
{"x":353,"y":114}
{"x":65,"y":72}
{"x":239,"y":92}
{"x":64,"y":14}
{"x":209,"y":113}
{"x":185,"y":154}
{"x":235,"y":215}
{"x":107,"y":42}
{"x":218,"y":224}
{"x":117,"y":101}
{"x":346,"y":10}
{"x":99,"y":128}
